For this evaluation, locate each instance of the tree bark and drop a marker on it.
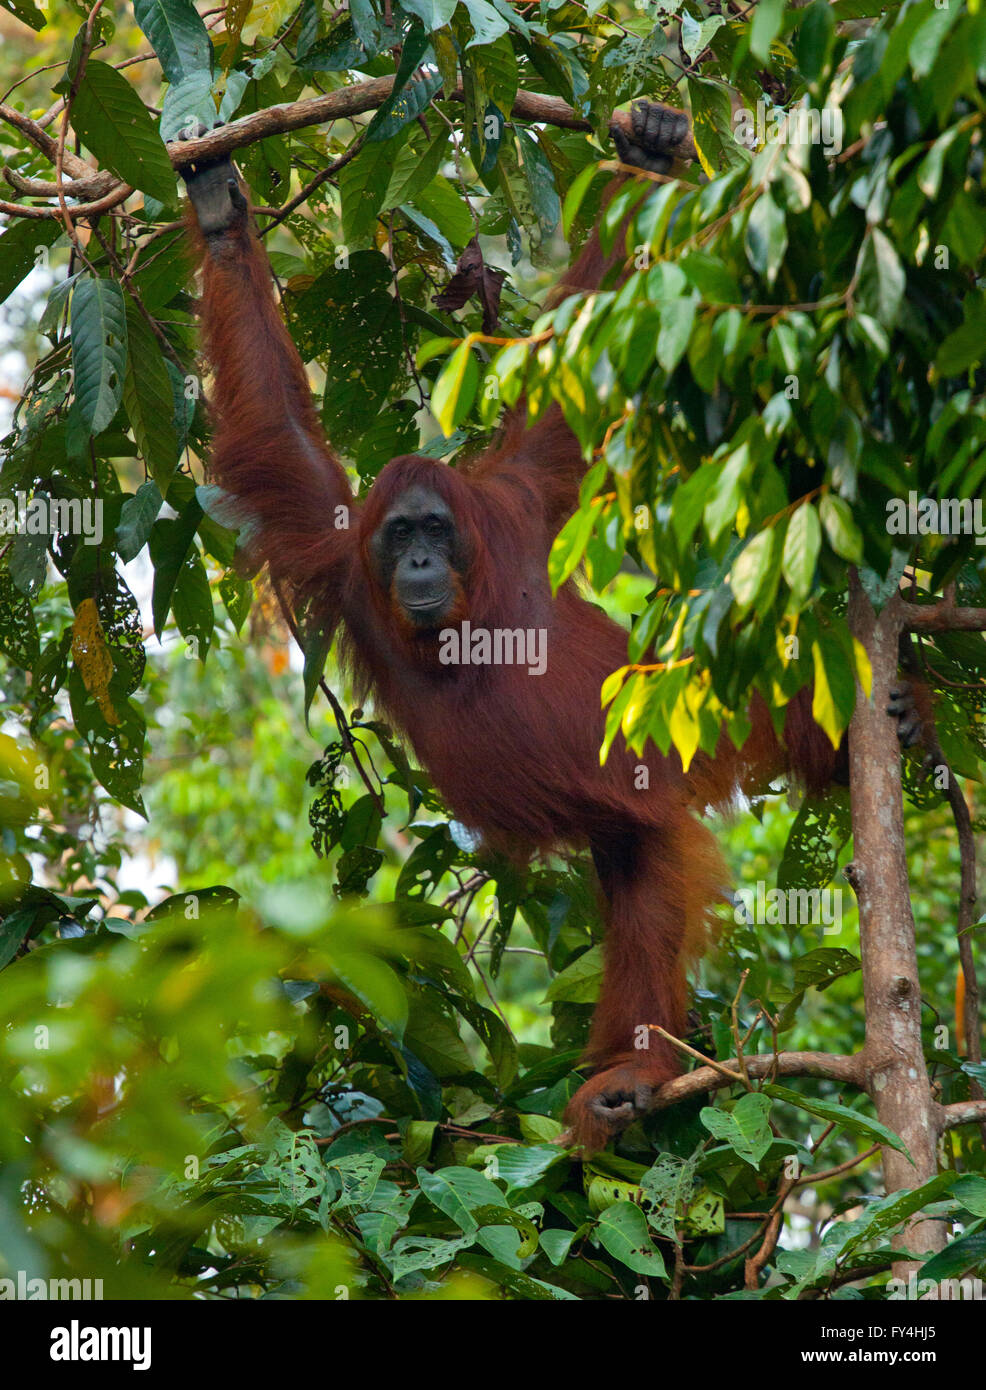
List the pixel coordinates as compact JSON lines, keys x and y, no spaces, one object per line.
{"x":831,"y":1066}
{"x":895,"y":1073}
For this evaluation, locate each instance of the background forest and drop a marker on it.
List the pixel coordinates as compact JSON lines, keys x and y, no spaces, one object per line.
{"x":272,"y":1024}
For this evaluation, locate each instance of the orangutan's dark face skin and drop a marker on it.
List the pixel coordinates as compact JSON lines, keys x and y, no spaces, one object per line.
{"x":418,"y":554}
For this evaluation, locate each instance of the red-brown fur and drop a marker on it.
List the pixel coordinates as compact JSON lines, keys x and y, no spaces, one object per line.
{"x":515,"y":755}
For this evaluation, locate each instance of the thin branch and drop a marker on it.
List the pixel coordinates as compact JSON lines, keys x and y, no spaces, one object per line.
{"x":731,"y":1077}
{"x":813,"y":1179}
{"x":66,"y":216}
{"x":342,"y":723}
{"x":321,"y":177}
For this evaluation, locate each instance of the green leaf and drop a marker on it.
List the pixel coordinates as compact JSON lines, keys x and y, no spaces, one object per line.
{"x":455,"y":389}
{"x":766,"y":237}
{"x":931,"y":168}
{"x":24,"y":245}
{"x":137,"y":515}
{"x":850,"y":1119}
{"x":377,"y":987}
{"x":522,"y":1165}
{"x":188,"y":104}
{"x":753,"y":569}
{"x":677,"y":322}
{"x":970,"y":1191}
{"x":575,"y":196}
{"x":843,"y":534}
{"x":570,"y":543}
{"x":695,"y":36}
{"x":801,"y":548}
{"x":622,"y":1231}
{"x":363,"y":184}
{"x":962,"y":348}
{"x":440,"y":202}
{"x":767,"y":20}
{"x":409,"y":1254}
{"x":893,"y":1210}
{"x":712,"y":127}
{"x":721,"y":508}
{"x":148,"y":399}
{"x":28,"y":563}
{"x":578,"y":983}
{"x":191,"y":604}
{"x":881,"y":278}
{"x":113,"y":122}
{"x":414,"y":170}
{"x":495,"y":64}
{"x":816,"y":34}
{"x":408,"y":98}
{"x":343,"y":49}
{"x":966,"y":1254}
{"x":99,"y":350}
{"x":488,"y":25}
{"x":745,"y":1128}
{"x":116,"y":753}
{"x":26,"y":12}
{"x":457,"y":1192}
{"x":540,"y":179}
{"x":170,"y":541}
{"x":19,"y":640}
{"x":434,"y":14}
{"x":178,"y":35}
{"x":710,"y":276}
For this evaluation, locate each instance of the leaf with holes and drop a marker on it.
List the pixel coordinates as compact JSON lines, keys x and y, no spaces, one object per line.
{"x":745,"y":1128}
{"x":622,"y":1230}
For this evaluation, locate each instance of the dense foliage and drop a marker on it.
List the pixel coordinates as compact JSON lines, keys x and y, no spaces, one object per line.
{"x":333,"y":1077}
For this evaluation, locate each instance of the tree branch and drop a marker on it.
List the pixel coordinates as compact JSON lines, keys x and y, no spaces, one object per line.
{"x":830,"y":1066}
{"x":346,"y":101}
{"x":276,"y":120}
{"x":96,"y":184}
{"x":943,"y":616}
{"x":962,"y":1112}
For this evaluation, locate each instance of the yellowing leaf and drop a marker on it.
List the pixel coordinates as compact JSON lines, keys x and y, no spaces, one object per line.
{"x":266,"y":18}
{"x":454,"y":390}
{"x":834,"y":696}
{"x":864,"y":670}
{"x":684,"y":729}
{"x":93,"y":658}
{"x":611,"y":685}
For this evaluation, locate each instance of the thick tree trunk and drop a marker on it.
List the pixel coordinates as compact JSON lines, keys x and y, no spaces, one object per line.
{"x":895,"y":1072}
